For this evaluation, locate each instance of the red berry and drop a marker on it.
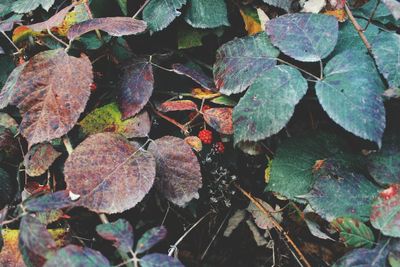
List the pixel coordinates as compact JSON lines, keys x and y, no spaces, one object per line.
{"x":205,"y":107}
{"x":93,"y":87}
{"x":205,"y":136}
{"x":219,"y":147}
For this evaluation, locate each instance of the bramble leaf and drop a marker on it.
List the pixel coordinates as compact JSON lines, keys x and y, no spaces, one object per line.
{"x":120,"y":232}
{"x":39,"y":158}
{"x":150,"y":238}
{"x":220,"y":119}
{"x":354,"y":233}
{"x":24,"y":6}
{"x":75,"y":256}
{"x":206,"y":13}
{"x":49,"y":202}
{"x":160,"y":13}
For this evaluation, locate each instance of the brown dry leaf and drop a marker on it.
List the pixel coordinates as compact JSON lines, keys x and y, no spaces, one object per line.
{"x":194,"y":142}
{"x":177,"y":105}
{"x":220,"y":119}
{"x":202,"y":93}
{"x":39,"y":158}
{"x":110,"y":174}
{"x":178,"y":170}
{"x":262,"y":220}
{"x":114,"y":26}
{"x":51,"y":92}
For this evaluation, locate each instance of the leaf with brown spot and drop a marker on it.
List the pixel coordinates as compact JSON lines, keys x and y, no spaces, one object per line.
{"x":178,"y":170}
{"x":220,"y":119}
{"x":136,"y":88}
{"x":114,"y":26}
{"x":177,"y":105}
{"x":51,"y":92}
{"x":109,"y":173}
{"x":39,"y":158}
{"x":8,"y":122}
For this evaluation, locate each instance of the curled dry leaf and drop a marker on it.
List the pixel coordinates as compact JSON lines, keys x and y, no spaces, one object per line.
{"x":51,"y":92}
{"x":136,"y":88}
{"x":177,"y":105}
{"x":220,"y":119}
{"x":178,"y":170}
{"x":109,"y":173}
{"x":114,"y":26}
{"x":39,"y":158}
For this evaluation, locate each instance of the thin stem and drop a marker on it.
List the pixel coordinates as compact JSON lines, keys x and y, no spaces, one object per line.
{"x":56,"y":38}
{"x":67,"y":144}
{"x":358,"y":28}
{"x":140,"y":9}
{"x":174,"y":246}
{"x":321,"y":69}
{"x":300,"y":69}
{"x":161,"y":67}
{"x":11,"y":42}
{"x":171,"y":120}
{"x":372,"y":15}
{"x":276,"y":224}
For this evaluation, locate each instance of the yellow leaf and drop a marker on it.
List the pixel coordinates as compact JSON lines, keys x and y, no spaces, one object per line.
{"x":251,"y":22}
{"x":202,"y":93}
{"x":194,"y":142}
{"x":340,"y":14}
{"x":21,"y":33}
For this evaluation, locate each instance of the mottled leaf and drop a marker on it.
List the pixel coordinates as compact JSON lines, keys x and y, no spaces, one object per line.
{"x":136,"y":88}
{"x":50,"y":91}
{"x":8,"y":122}
{"x":9,"y":147}
{"x":177,"y":105}
{"x":304,"y":36}
{"x":196,"y":75}
{"x":39,"y":158}
{"x":53,"y":21}
{"x":251,"y":20}
{"x":206,"y":13}
{"x":268,"y":104}
{"x":354,"y":233}
{"x":110,"y":174}
{"x":351,"y":95}
{"x":394,"y":7}
{"x":338,"y":191}
{"x":385,"y":214}
{"x":150,"y":238}
{"x":159,"y":260}
{"x":10,"y":254}
{"x":108,"y":118}
{"x":178,"y":170}
{"x":24,"y":6}
{"x":262,"y":220}
{"x":35,"y":242}
{"x":49,"y":202}
{"x":220,"y":119}
{"x":384,"y":165}
{"x":7,"y":188}
{"x":201,"y":93}
{"x":284,"y":4}
{"x":240,"y":61}
{"x":120,"y":232}
{"x":160,"y":13}
{"x":386,"y":51}
{"x":75,"y":256}
{"x":291,"y":170}
{"x":114,"y":26}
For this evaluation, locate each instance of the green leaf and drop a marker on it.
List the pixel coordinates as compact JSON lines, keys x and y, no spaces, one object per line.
{"x":354,"y":233}
{"x":386,"y":51}
{"x":24,"y":6}
{"x":120,"y":232}
{"x":5,"y":7}
{"x":160,"y":13}
{"x":339,"y":191}
{"x":291,"y":170}
{"x":351,"y":95}
{"x":384,"y":165}
{"x":304,"y":36}
{"x":123,"y":5}
{"x":380,"y":14}
{"x":150,"y":238}
{"x":189,"y":37}
{"x":385,"y":215}
{"x":240,"y":61}
{"x":224,"y":100}
{"x":108,"y":118}
{"x":268,"y":104}
{"x":207,"y":13}
{"x":349,"y":38}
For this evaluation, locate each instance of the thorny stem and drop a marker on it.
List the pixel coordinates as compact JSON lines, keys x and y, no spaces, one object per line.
{"x":11,"y":42}
{"x":140,"y":9}
{"x":372,"y":15}
{"x":358,"y":28}
{"x":276,"y":224}
{"x":175,"y":246}
{"x":300,"y":69}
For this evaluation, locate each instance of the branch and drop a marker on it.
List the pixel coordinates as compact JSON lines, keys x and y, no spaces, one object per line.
{"x":358,"y":28}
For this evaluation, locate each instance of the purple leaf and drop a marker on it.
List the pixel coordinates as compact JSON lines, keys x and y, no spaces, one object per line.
{"x":74,"y":256}
{"x":159,"y":260}
{"x":49,"y":202}
{"x":196,"y":75}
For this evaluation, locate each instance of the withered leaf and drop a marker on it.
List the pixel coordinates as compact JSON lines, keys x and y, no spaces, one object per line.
{"x":39,"y":158}
{"x":220,"y":119}
{"x":115,"y":26}
{"x":136,"y":88}
{"x":177,"y":105}
{"x":178,"y":170}
{"x":109,"y":173}
{"x":51,"y":91}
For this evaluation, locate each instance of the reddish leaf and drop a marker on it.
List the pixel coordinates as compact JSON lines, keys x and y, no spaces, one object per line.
{"x":220,"y":119}
{"x":39,"y":158}
{"x":51,"y":92}
{"x":110,"y":174}
{"x":8,"y":24}
{"x":120,"y":232}
{"x":74,"y":256}
{"x":196,"y":75}
{"x":115,"y":26}
{"x":136,"y":88}
{"x":178,"y":170}
{"x":177,"y":105}
{"x":150,"y":239}
{"x":49,"y":202}
{"x":53,"y":21}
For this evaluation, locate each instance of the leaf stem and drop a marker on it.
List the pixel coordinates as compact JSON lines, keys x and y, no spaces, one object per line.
{"x":171,"y":120}
{"x":11,"y":42}
{"x":140,"y":9}
{"x":358,"y":28}
{"x":56,"y":38}
{"x":372,"y":15}
{"x":300,"y":69}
